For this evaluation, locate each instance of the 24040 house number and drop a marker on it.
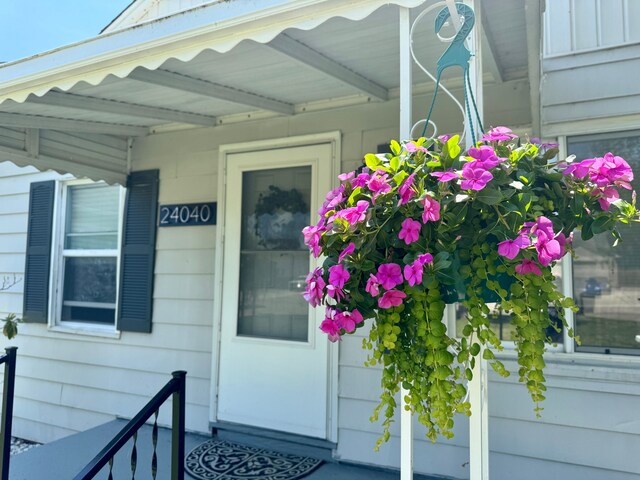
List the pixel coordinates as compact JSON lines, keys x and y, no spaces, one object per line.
{"x":187,"y":214}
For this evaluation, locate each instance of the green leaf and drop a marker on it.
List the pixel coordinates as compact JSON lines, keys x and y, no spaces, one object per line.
{"x":394,"y":163}
{"x":395,"y":147}
{"x":399,"y":177}
{"x":372,"y":161}
{"x":587,"y":231}
{"x":602,"y":224}
{"x":451,"y":148}
{"x":490,"y":196}
{"x":352,"y":198}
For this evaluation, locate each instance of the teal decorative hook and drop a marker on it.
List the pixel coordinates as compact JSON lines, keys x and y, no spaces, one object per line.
{"x":456,"y":54}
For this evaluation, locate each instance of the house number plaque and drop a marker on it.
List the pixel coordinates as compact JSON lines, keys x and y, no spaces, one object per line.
{"x":187,"y":214}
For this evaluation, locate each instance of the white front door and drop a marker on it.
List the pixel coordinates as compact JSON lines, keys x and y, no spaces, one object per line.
{"x":274,"y":366}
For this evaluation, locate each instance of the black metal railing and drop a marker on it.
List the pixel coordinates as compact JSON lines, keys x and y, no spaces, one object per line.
{"x":9,"y":361}
{"x":175,"y":387}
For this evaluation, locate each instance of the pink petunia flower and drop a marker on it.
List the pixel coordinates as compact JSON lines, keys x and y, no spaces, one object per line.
{"x":356,"y":214}
{"x":548,"y":250}
{"x":392,"y":298}
{"x":373,"y":286}
{"x":406,"y":190}
{"x":431,"y":210}
{"x":413,"y":273}
{"x":425,"y":258}
{"x":485,"y":157}
{"x":475,"y":178}
{"x":348,"y":320}
{"x":498,"y":134}
{"x":378,"y":184}
{"x":347,"y":251}
{"x":410,"y":231}
{"x":543,"y":227}
{"x":389,"y":275}
{"x":312,"y":235}
{"x":343,"y":177}
{"x":315,"y":287}
{"x":444,"y":138}
{"x":330,"y":326}
{"x":611,"y":170}
{"x":608,"y":196}
{"x":511,"y":248}
{"x":338,"y":276}
{"x":361,"y":180}
{"x":412,"y":148}
{"x":445,"y":176}
{"x":579,"y":169}
{"x":332,"y":200}
{"x":528,"y":266}
{"x":335,"y":292}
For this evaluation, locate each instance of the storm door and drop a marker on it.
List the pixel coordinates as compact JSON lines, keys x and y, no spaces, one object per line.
{"x":273,"y":359}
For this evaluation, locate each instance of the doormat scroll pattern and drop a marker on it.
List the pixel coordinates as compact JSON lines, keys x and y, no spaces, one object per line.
{"x":220,"y":460}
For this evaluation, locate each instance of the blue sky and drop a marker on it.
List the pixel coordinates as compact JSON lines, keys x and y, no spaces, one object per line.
{"x":28,"y":27}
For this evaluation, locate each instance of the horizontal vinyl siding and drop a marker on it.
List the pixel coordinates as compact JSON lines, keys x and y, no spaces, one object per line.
{"x":591,"y":51}
{"x":68,"y":383}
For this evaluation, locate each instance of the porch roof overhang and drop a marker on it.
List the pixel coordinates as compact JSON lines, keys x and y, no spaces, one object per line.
{"x":75,"y":109}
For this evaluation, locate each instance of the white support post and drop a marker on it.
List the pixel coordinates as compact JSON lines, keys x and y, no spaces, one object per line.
{"x":478,"y":387}
{"x":406,"y":420}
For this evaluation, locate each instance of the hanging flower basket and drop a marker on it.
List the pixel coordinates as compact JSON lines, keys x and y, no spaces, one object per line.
{"x":429,"y":224}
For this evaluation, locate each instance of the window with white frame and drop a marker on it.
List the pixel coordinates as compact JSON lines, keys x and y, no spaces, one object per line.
{"x":87,"y":272}
{"x":606,"y":279}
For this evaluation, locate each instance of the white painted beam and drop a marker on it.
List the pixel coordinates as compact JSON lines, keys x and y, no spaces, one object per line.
{"x":196,"y":86}
{"x":489,"y":58}
{"x":310,"y":57}
{"x":533,"y":15}
{"x":478,"y":386}
{"x":94,"y":104}
{"x":32,"y":142}
{"x":63,"y":124}
{"x":44,"y":162}
{"x":406,"y":121}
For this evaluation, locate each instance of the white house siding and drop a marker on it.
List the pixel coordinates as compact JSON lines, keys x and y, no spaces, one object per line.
{"x":591,"y":60}
{"x":68,"y":382}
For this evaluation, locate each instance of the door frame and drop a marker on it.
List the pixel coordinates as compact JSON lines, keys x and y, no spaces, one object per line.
{"x":333,"y":138}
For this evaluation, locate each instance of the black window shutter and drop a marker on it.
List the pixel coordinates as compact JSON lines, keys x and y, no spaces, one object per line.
{"x":138,"y":252}
{"x":38,"y":254}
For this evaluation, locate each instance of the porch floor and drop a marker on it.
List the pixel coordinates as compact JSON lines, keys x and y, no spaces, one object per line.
{"x":64,"y":458}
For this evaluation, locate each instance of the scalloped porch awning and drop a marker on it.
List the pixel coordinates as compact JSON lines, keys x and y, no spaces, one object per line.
{"x":76,"y":109}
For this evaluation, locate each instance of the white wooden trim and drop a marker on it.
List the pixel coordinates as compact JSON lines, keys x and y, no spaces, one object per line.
{"x":196,"y":86}
{"x":333,"y":138}
{"x":218,"y":26}
{"x":311,"y":58}
{"x":59,"y":254}
{"x":406,"y":121}
{"x":478,"y":386}
{"x":94,"y":104}
{"x":63,"y":124}
{"x":567,"y":272}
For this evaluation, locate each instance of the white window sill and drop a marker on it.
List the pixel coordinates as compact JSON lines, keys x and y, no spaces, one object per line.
{"x":584,"y":366}
{"x":88,"y":330}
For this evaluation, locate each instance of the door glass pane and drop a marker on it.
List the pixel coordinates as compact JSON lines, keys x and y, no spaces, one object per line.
{"x":92,"y":217}
{"x":89,"y":293}
{"x":273,"y":258}
{"x":606,"y":280}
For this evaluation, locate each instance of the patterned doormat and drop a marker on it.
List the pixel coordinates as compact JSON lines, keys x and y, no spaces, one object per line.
{"x":220,"y":460}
